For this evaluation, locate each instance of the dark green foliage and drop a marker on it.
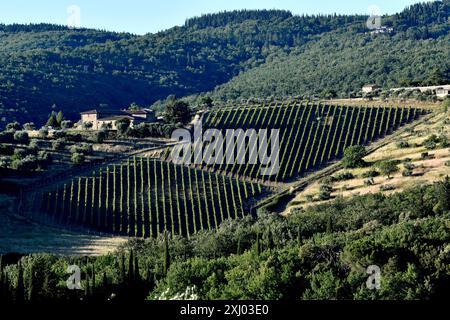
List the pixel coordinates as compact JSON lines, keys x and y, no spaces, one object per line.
{"x":123,"y":125}
{"x":93,"y":68}
{"x":325,"y":192}
{"x":387,"y":168}
{"x":443,"y":194}
{"x":166,"y":264}
{"x":21,"y":137}
{"x":177,"y":111}
{"x":322,"y":253}
{"x":20,"y":287}
{"x":78,"y":158}
{"x":370,"y":174}
{"x":13,"y":126}
{"x":52,"y":122}
{"x":353,"y":157}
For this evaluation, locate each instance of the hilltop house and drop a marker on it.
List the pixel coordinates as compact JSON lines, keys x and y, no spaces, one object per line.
{"x":442,"y":92}
{"x":103,"y":118}
{"x":369,"y":88}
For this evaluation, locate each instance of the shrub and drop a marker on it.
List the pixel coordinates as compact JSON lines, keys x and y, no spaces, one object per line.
{"x":34,"y":144}
{"x":58,"y":145}
{"x":21,"y":137}
{"x":87,"y":125}
{"x":402,"y":145}
{"x":353,"y":157}
{"x":325,"y":192}
{"x":6,"y":150}
{"x":344,"y":176}
{"x":426,"y":156}
{"x":409,"y":166}
{"x":78,"y":159}
{"x":59,"y":134}
{"x":6,"y":137}
{"x":44,"y":156}
{"x":387,"y":168}
{"x":99,"y":137}
{"x":431,"y":142}
{"x":13,"y":126}
{"x":28,"y":163}
{"x":74,"y":137}
{"x":407,"y":173}
{"x":43,"y":133}
{"x":20,"y":154}
{"x":123,"y":125}
{"x":44,"y":159}
{"x":66,"y":124}
{"x":83,"y":148}
{"x":387,"y":187}
{"x":370,"y":174}
{"x":29,"y":126}
{"x":443,"y":141}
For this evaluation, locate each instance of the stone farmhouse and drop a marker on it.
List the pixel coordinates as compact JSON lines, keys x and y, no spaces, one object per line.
{"x":107,"y":118}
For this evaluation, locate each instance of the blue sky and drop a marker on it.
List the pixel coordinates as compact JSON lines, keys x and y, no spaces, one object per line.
{"x":143,"y":16}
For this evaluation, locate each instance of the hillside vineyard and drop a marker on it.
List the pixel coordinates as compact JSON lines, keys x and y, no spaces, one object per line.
{"x":144,"y":197}
{"x":311,"y":134}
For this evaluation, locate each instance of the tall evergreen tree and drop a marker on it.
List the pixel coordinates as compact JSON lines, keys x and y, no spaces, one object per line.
{"x":443,"y":194}
{"x":137,"y":275}
{"x":122,"y":269}
{"x":32,"y":284}
{"x":87,"y":287}
{"x":130,"y":268}
{"x":93,"y":279}
{"x":166,"y":253}
{"x":20,"y":290}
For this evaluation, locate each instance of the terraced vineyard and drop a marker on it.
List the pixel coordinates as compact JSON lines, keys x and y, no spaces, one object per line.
{"x":144,"y":197}
{"x":311,"y":135}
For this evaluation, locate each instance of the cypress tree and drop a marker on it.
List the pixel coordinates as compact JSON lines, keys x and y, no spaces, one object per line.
{"x":270,"y":241}
{"x":20,"y":290}
{"x":122,"y":269}
{"x":2,"y":280}
{"x":104,"y":281}
{"x":130,"y":268}
{"x":137,"y":276}
{"x":257,"y":244}
{"x":166,"y":253}
{"x":93,"y":280}
{"x":149,"y":275}
{"x":299,"y":237}
{"x":329,"y":226}
{"x":32,"y":285}
{"x":443,"y":194}
{"x":87,"y":289}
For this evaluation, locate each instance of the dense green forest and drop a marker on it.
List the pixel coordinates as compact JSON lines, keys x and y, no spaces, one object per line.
{"x":339,"y":63}
{"x":321,"y":252}
{"x":47,"y":67}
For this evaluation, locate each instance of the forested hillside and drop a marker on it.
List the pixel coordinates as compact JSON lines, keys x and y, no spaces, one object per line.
{"x":339,"y":63}
{"x":47,"y":67}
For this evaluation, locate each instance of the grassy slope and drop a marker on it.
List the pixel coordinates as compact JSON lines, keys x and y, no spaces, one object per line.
{"x":427,"y":171}
{"x":22,"y":236}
